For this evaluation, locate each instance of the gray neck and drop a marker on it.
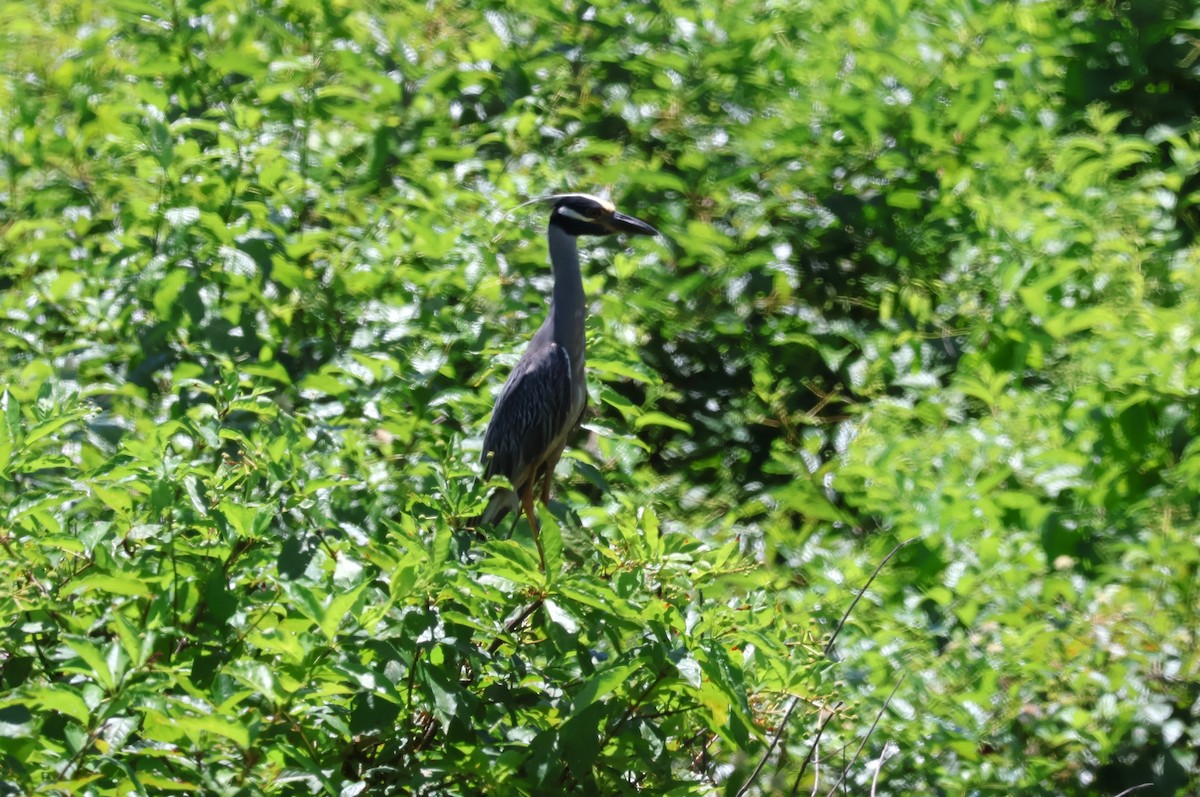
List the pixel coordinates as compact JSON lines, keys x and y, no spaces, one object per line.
{"x":568,"y":306}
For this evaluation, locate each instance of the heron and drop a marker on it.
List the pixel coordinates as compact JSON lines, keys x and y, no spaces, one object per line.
{"x":544,"y":397}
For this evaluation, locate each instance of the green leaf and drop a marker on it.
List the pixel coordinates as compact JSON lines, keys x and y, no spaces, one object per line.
{"x":443,"y":693}
{"x":60,"y":698}
{"x":168,"y":289}
{"x":10,"y":433}
{"x":112,"y":585}
{"x":242,"y":518}
{"x":625,"y":370}
{"x":601,"y":685}
{"x":649,"y":527}
{"x":198,"y":728}
{"x":909,"y":200}
{"x":552,"y":546}
{"x":339,"y":609}
{"x":48,"y":427}
{"x":655,"y":418}
{"x":259,"y":677}
{"x":118,"y":500}
{"x":97,"y":662}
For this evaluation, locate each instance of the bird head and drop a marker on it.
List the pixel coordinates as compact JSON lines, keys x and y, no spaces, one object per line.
{"x":584,"y":214}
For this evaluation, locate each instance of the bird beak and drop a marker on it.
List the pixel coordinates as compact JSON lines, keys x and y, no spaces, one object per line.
{"x":619,"y":222}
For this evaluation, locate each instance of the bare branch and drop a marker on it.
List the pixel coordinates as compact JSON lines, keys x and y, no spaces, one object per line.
{"x":514,"y":624}
{"x":1138,"y":787}
{"x":787,"y":715}
{"x":866,"y":738}
{"x":812,"y":752}
{"x":858,"y":597}
{"x":816,"y":768}
{"x":879,"y":766}
{"x":792,"y":705}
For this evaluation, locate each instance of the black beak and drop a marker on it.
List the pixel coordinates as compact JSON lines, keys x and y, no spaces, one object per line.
{"x":619,"y":222}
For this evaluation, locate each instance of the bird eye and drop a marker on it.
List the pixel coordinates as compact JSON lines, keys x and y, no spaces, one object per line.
{"x":592,"y":212}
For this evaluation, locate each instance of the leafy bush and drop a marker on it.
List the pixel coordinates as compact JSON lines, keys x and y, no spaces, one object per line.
{"x":917,"y":285}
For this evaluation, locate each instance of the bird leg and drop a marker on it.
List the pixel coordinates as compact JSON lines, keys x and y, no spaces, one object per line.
{"x":547,"y":478}
{"x":527,"y":505}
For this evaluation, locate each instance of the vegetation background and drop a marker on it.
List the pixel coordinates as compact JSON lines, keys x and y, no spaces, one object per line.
{"x":929,"y":274}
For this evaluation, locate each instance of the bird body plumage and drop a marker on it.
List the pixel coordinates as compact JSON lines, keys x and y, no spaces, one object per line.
{"x":534,"y":413}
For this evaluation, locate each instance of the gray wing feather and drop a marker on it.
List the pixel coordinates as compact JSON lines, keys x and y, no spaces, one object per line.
{"x":531,"y":414}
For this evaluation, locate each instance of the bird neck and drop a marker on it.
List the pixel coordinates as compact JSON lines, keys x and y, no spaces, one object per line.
{"x":568,"y":306}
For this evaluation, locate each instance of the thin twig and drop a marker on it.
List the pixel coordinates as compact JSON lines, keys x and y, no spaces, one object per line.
{"x":879,"y":766}
{"x":514,"y":624}
{"x":828,"y":647}
{"x":816,"y":757}
{"x":791,"y":707}
{"x":861,"y":592}
{"x":1138,"y":787}
{"x":632,"y":710}
{"x":812,"y":751}
{"x":787,"y":715}
{"x":867,"y":738}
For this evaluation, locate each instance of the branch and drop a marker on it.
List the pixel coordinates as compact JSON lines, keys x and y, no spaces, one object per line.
{"x":1138,"y":787}
{"x":879,"y":766}
{"x":866,"y":738}
{"x":787,"y":715}
{"x":514,"y":624}
{"x":858,"y":597}
{"x":816,"y":770}
{"x":812,"y":752}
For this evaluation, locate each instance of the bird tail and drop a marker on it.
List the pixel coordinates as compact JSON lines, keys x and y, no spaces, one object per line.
{"x":502,"y":502}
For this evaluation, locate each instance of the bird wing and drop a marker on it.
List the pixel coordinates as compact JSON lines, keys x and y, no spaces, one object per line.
{"x":532,"y":415}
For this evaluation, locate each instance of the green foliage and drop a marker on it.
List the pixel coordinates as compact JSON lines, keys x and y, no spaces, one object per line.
{"x":928,"y":274}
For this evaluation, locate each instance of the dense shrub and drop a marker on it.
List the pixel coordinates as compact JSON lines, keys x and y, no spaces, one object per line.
{"x":928,"y":276}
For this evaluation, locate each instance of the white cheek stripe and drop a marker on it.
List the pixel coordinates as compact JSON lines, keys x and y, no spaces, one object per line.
{"x":570,"y":214}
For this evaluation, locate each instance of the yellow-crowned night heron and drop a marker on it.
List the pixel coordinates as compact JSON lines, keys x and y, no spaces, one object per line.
{"x":543,"y":400}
